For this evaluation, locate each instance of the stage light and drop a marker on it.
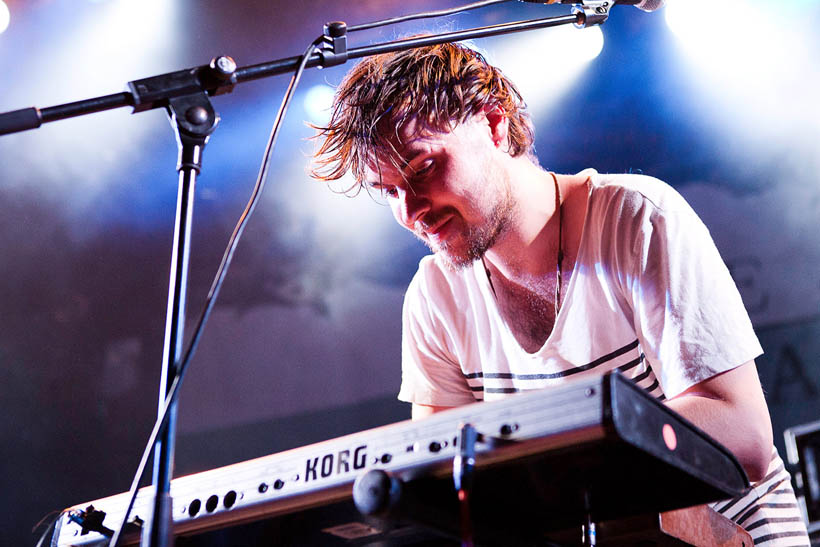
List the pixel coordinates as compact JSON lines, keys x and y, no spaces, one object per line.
{"x":749,"y":69}
{"x":5,"y":16}
{"x":750,"y":49}
{"x":317,"y":103}
{"x":126,"y":37}
{"x":80,"y":50}
{"x":343,"y":217}
{"x":734,"y":41}
{"x":545,"y":64}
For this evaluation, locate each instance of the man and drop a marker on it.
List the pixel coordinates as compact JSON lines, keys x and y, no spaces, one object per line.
{"x":538,"y":277}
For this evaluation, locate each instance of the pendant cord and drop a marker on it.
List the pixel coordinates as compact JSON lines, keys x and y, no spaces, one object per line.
{"x":559,"y":262}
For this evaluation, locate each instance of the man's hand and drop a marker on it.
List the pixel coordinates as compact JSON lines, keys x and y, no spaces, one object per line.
{"x":730,"y":407}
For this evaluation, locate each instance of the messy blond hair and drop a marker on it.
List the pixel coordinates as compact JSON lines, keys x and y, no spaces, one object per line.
{"x":437,"y":87}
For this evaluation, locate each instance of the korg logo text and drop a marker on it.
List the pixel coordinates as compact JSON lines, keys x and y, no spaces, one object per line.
{"x":335,"y":463}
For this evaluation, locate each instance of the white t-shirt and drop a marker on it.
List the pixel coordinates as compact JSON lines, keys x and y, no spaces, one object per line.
{"x":649,"y":295}
{"x":648,"y":285}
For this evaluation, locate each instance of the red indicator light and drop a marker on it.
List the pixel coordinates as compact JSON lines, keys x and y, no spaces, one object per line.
{"x":669,"y":437}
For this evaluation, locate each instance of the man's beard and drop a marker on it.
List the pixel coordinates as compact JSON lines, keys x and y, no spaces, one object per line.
{"x":476,"y":241}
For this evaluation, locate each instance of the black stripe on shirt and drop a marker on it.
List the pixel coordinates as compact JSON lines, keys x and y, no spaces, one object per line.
{"x":552,"y":375}
{"x":771,"y":520}
{"x":774,"y":505}
{"x":632,"y":364}
{"x":764,"y":539}
{"x":753,"y":507}
{"x":652,"y":387}
{"x":762,"y":481}
{"x":643,"y":375}
{"x":501,"y":390}
{"x":729,"y":505}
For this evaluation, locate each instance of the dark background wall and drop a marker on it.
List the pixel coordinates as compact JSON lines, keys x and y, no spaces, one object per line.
{"x":304,"y":343}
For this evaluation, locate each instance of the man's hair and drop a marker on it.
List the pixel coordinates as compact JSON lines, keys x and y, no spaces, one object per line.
{"x":437,"y":87}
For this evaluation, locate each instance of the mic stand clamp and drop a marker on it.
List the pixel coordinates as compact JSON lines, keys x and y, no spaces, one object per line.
{"x":216,"y":78}
{"x":592,"y":12}
{"x":334,"y":46}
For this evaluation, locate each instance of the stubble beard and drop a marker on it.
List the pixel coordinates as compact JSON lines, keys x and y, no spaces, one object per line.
{"x":476,"y":240}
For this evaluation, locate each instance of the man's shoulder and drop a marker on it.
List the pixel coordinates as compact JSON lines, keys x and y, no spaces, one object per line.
{"x":626,"y":209}
{"x":637,"y":190}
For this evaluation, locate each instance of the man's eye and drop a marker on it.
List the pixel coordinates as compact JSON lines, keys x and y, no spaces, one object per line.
{"x":384,"y":190}
{"x":425,"y":168}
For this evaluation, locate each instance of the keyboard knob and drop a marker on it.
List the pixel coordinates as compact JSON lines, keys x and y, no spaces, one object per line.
{"x":376,"y":492}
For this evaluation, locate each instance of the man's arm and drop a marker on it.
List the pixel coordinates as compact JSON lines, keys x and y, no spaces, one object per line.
{"x":730,"y":407}
{"x":422,"y":411}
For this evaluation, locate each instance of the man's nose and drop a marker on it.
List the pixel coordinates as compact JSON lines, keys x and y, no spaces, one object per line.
{"x":413,"y":207}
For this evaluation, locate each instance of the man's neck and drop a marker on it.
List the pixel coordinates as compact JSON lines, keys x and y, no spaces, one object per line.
{"x":523,"y":250}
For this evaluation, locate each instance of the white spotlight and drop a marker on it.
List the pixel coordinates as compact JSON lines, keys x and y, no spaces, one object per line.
{"x":317,"y":103}
{"x":754,"y":61}
{"x":5,"y":16}
{"x":97,"y":50}
{"x":741,"y":46}
{"x":545,"y":64}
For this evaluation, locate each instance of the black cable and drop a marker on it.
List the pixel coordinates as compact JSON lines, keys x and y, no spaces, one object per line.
{"x":219,"y":278}
{"x":233,"y":241}
{"x":52,"y":525}
{"x":424,"y":15}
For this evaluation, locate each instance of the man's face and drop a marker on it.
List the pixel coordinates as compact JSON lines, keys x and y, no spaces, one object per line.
{"x":451,"y":193}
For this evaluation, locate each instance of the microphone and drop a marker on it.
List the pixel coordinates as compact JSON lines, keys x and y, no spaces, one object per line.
{"x":645,"y":5}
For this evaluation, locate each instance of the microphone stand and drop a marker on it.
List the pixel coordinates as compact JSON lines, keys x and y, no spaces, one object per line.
{"x":193,"y":119}
{"x":185,"y":95}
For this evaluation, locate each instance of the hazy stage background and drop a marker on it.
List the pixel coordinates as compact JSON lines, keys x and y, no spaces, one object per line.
{"x":304,"y":344}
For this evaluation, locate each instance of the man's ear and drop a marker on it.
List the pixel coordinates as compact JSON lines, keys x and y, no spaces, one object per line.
{"x":499,"y":125}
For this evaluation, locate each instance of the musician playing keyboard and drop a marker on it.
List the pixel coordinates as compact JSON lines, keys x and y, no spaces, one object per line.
{"x":538,"y":277}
